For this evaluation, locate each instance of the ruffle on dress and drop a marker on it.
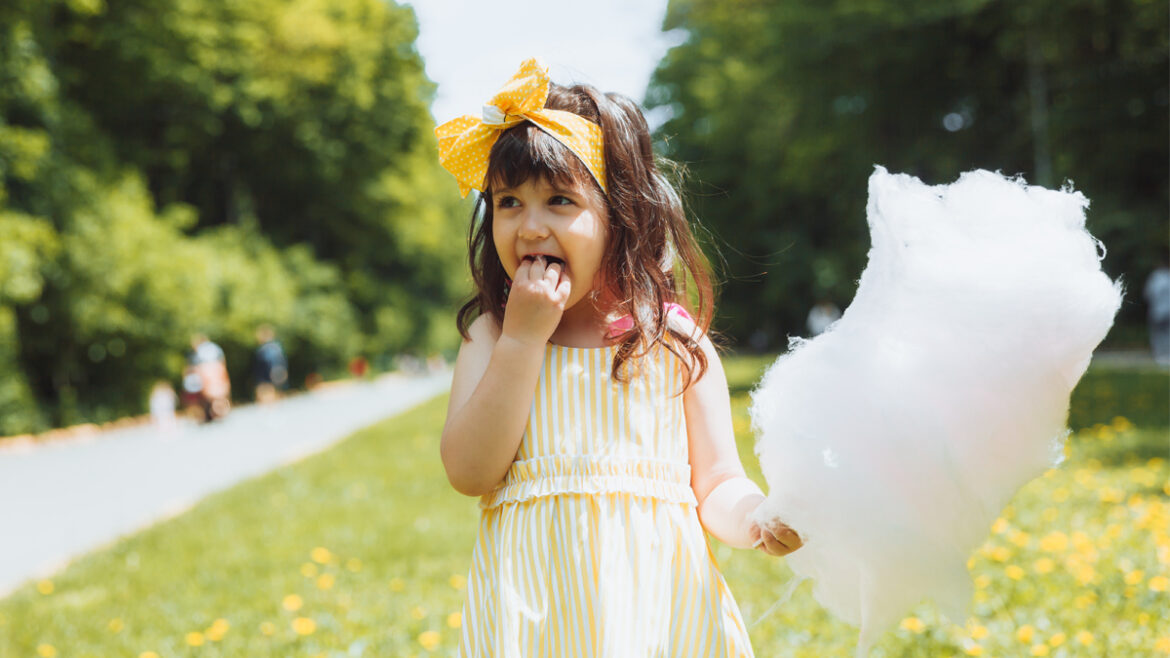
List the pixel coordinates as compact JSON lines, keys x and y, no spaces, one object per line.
{"x":593,"y":474}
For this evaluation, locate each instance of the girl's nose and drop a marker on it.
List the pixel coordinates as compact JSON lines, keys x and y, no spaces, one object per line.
{"x":533,"y":226}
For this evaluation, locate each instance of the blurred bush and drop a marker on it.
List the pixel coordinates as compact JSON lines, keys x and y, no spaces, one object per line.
{"x":182,"y":166}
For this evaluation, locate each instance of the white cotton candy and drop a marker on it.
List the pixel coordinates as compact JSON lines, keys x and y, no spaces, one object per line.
{"x":892,"y":441}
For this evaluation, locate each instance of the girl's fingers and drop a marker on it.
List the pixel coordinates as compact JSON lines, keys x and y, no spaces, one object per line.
{"x":563,"y":289}
{"x":790,"y":539}
{"x":778,"y":544}
{"x":552,"y":274}
{"x":522,"y":272}
{"x":771,"y":545}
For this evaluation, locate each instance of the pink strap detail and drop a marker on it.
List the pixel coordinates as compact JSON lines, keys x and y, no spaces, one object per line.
{"x":625,"y":323}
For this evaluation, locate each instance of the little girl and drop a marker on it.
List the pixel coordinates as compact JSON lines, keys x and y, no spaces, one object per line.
{"x":589,"y":410}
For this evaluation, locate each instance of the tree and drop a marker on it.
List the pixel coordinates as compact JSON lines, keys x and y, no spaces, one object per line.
{"x":781,"y":109}
{"x":209,"y":166}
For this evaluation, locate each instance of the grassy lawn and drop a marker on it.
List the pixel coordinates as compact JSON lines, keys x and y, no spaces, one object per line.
{"x":362,"y":551}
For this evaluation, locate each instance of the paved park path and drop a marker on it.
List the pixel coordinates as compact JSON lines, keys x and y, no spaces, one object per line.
{"x":63,"y":499}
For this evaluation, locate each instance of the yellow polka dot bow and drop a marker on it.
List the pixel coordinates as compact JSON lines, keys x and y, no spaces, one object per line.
{"x":466,"y":142}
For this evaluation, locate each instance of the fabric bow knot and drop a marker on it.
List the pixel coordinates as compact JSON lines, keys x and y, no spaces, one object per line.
{"x":465,"y":143}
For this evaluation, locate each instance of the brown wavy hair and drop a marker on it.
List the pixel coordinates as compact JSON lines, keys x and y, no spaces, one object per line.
{"x":652,"y":258}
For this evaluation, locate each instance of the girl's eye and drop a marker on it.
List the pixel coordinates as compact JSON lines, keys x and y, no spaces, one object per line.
{"x":560,"y":200}
{"x":506,"y":202}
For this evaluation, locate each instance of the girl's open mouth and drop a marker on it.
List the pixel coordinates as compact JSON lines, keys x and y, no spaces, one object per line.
{"x":549,"y":260}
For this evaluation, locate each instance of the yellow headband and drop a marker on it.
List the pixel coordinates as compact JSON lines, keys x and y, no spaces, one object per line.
{"x":466,"y":142}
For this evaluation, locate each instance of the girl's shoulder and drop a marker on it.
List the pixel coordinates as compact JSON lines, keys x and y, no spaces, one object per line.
{"x":483,"y":331}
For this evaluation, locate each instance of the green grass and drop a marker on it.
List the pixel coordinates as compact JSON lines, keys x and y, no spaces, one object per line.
{"x":364,"y":549}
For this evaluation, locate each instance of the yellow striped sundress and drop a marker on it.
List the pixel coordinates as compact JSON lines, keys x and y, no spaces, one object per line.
{"x":591,"y":546}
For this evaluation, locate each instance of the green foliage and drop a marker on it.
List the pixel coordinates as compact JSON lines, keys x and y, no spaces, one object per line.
{"x":781,"y":109}
{"x":1090,"y":539}
{"x":210,"y":165}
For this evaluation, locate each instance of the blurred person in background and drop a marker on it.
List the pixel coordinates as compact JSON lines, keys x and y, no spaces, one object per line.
{"x":206,"y":385}
{"x":269,"y":366}
{"x":162,"y":406}
{"x":1157,"y":294}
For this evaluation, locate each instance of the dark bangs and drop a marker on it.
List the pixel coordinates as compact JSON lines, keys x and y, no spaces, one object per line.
{"x":525,"y":152}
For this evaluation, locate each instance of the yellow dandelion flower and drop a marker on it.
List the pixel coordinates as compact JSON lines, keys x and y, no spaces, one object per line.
{"x":1039,"y":649}
{"x":1054,"y":542}
{"x":1014,"y":572}
{"x":457,"y":581}
{"x":982,"y":581}
{"x":1134,"y":577}
{"x":1057,"y":639}
{"x":1122,"y":424}
{"x":353,"y":564}
{"x":1000,"y":553}
{"x":1084,"y":476}
{"x":1085,"y":575}
{"x":1020,"y":538}
{"x":116,"y":625}
{"x":396,"y":585}
{"x":267,"y":628}
{"x":1159,"y":583}
{"x":454,"y":620}
{"x":1162,"y":644}
{"x":292,"y":602}
{"x":978,"y":632}
{"x":325,"y":581}
{"x":1043,"y":565}
{"x":1061,"y":494}
{"x":46,"y":650}
{"x":999,"y":526}
{"x":321,"y":555}
{"x":418,"y":612}
{"x":148,"y":654}
{"x":195,"y":638}
{"x":1082,"y":542}
{"x":913,"y":624}
{"x":1025,"y":633}
{"x":1135,"y":501}
{"x":974,"y":650}
{"x":429,"y":640}
{"x":1110,"y":495}
{"x":1143,"y":619}
{"x":218,"y":629}
{"x":45,"y":587}
{"x":304,"y":626}
{"x":309,"y":570}
{"x":1085,"y":637}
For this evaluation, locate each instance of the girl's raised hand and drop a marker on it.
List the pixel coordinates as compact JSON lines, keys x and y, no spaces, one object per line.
{"x":778,"y":539}
{"x":535,"y":302}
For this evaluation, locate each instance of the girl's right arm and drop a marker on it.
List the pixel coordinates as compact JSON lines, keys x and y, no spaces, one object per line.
{"x":495,"y":380}
{"x":491,"y":396}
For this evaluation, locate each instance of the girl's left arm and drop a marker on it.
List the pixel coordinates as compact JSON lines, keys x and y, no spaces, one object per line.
{"x":726,"y":496}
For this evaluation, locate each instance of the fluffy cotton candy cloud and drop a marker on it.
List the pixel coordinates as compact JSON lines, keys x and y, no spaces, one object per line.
{"x":892,"y":441}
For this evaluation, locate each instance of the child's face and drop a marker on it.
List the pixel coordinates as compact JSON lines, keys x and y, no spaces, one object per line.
{"x":569,"y":225}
